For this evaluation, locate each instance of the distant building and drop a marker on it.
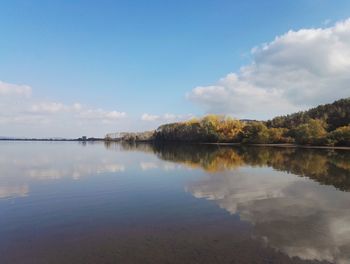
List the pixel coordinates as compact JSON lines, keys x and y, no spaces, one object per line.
{"x":83,"y":138}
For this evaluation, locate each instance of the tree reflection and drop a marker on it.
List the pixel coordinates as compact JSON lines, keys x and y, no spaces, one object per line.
{"x":293,"y":215}
{"x":326,"y":166}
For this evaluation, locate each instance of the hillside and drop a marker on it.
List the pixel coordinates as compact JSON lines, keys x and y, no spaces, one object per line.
{"x":324,"y":125}
{"x":335,"y":115}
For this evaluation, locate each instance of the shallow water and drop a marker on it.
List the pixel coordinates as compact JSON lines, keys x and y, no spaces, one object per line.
{"x":67,"y":202}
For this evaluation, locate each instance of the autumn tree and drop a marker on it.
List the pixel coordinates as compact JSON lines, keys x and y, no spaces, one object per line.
{"x":311,"y":133}
{"x":255,"y":133}
{"x":340,"y":136}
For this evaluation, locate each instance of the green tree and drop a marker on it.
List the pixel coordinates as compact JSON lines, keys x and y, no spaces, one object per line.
{"x":255,"y":133}
{"x":311,"y":133}
{"x":278,"y":135}
{"x":340,"y":136}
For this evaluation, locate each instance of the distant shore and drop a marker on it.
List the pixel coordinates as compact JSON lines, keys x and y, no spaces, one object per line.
{"x":285,"y":145}
{"x":49,"y":139}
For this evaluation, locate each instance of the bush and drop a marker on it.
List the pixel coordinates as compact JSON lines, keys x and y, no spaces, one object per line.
{"x":340,"y":136}
{"x":311,"y":133}
{"x":278,"y":135}
{"x":255,"y":133}
{"x":211,"y":128}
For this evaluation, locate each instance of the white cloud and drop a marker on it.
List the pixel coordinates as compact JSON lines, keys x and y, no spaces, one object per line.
{"x":49,"y":107}
{"x":81,"y":111}
{"x":7,"y":89}
{"x":148,"y":117}
{"x":101,"y":114}
{"x":77,"y":106}
{"x":165,"y":117}
{"x":23,"y":115}
{"x":296,"y":70}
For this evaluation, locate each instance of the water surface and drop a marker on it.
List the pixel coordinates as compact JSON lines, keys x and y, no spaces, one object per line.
{"x":67,"y":202}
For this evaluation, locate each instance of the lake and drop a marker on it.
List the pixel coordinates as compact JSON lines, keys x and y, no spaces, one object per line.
{"x":69,"y":202}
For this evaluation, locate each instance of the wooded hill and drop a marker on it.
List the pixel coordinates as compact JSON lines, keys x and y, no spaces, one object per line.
{"x":334,"y":115}
{"x":323,"y":125}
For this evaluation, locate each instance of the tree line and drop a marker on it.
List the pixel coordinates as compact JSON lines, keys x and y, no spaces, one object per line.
{"x":325,"y":125}
{"x":316,"y":164}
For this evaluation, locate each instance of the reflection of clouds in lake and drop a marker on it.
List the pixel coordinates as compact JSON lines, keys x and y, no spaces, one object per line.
{"x":76,"y":172}
{"x":148,"y":165}
{"x":21,"y":164}
{"x":169,"y":166}
{"x":161,"y":165}
{"x":295,"y":215}
{"x":43,"y":173}
{"x":55,"y":165}
{"x":13,"y":191}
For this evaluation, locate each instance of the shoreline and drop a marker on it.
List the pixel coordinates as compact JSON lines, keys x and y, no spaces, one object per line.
{"x":279,"y":145}
{"x":61,"y":140}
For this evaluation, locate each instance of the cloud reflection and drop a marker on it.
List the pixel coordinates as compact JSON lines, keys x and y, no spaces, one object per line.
{"x":13,"y":191}
{"x":24,"y":163}
{"x":148,"y":165}
{"x":291,"y":197}
{"x":76,"y":172}
{"x":294,"y":215}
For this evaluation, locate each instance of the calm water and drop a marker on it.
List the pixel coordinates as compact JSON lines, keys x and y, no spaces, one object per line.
{"x":119,"y":203}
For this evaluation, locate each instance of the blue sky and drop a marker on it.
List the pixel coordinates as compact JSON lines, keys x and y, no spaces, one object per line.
{"x":141,"y":57}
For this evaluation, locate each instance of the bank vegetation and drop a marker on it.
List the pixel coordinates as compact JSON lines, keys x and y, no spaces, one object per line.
{"x":325,"y":125}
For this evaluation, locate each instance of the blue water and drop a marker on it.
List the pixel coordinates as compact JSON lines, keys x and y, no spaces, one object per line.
{"x":67,"y":202}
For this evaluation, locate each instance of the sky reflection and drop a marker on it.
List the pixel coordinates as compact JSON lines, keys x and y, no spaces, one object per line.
{"x":295,"y":201}
{"x":291,"y":214}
